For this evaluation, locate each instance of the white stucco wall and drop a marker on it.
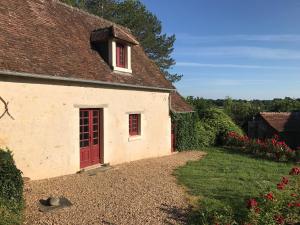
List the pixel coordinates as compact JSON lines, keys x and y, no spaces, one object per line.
{"x":44,"y":136}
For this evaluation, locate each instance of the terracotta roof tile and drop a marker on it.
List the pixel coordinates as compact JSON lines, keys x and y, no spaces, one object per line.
{"x":179,"y":104}
{"x":284,"y":121}
{"x":51,"y":38}
{"x":104,"y":34}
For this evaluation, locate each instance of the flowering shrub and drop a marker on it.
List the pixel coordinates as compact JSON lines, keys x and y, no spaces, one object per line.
{"x":235,"y":139}
{"x":270,"y":148}
{"x":279,"y":206}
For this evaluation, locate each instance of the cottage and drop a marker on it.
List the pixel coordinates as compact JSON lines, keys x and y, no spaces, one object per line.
{"x":285,"y":124}
{"x":78,"y":91}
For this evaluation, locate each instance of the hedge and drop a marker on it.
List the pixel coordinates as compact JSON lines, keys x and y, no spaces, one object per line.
{"x":210,"y":129}
{"x":11,"y":190}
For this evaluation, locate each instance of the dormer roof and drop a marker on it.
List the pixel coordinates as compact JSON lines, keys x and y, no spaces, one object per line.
{"x":104,"y":34}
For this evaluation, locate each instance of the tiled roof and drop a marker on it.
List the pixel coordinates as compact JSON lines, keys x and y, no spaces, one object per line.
{"x":47,"y":37}
{"x":179,"y":104}
{"x":284,"y":121}
{"x":113,"y":31}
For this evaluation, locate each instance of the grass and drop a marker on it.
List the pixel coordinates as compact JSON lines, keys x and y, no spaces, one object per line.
{"x":228,"y":178}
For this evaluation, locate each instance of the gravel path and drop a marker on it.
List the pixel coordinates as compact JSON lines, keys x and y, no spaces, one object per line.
{"x":140,"y":192}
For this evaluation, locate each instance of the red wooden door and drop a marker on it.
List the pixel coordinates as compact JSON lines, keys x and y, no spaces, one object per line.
{"x":173,"y":138}
{"x":89,"y":137}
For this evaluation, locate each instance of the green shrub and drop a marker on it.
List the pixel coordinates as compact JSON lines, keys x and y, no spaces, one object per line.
{"x":11,"y":190}
{"x":185,"y":130}
{"x":210,"y":129}
{"x":220,"y":123}
{"x":9,"y":214}
{"x":205,"y":134}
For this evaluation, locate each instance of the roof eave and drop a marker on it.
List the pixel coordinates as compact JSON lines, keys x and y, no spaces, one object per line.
{"x":49,"y":77}
{"x":181,"y":112}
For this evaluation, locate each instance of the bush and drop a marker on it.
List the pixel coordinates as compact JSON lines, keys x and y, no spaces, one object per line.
{"x":205,"y":135}
{"x":278,"y":206}
{"x":220,"y":124}
{"x":194,"y":133}
{"x":11,"y":190}
{"x":186,"y":131}
{"x":270,"y":148}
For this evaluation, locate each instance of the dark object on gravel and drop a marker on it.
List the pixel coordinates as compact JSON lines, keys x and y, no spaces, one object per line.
{"x":53,"y":203}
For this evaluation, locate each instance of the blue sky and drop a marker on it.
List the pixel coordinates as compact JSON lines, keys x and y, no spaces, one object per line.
{"x":247,"y":49}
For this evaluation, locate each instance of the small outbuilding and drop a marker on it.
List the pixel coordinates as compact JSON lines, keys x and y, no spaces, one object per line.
{"x":284,"y":124}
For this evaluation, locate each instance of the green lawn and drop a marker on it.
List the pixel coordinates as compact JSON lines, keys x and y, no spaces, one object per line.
{"x":229,"y":178}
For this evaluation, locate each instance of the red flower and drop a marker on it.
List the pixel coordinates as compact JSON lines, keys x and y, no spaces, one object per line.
{"x":269,"y":196}
{"x":280,"y":186}
{"x":294,"y":195}
{"x":279,"y":219}
{"x":290,"y":204}
{"x":284,"y":180}
{"x":297,"y":204}
{"x":295,"y":171}
{"x":252,"y":203}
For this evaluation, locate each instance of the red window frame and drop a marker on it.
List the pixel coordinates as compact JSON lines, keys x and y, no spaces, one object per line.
{"x":121,"y":55}
{"x":134,"y":124}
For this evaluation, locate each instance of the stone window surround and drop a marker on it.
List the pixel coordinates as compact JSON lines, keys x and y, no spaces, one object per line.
{"x":112,"y":43}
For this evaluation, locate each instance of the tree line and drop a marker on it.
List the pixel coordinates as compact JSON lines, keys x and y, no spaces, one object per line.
{"x":242,"y":111}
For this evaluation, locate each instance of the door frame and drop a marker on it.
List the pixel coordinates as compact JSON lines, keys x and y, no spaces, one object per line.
{"x":101,"y":136}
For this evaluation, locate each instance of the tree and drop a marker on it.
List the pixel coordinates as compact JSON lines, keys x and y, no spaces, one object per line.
{"x":143,"y":24}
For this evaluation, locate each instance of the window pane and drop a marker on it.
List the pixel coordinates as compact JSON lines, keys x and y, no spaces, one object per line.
{"x":120,"y":55}
{"x":86,"y":136}
{"x":95,"y":127}
{"x":84,"y":144}
{"x":95,"y":120}
{"x":86,"y":129}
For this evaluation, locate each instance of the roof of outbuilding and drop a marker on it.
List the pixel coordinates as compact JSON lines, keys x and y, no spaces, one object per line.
{"x":50,"y":38}
{"x":179,"y":104}
{"x":283,"y":121}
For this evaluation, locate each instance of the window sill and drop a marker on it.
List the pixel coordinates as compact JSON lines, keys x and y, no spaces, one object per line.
{"x":134,"y":138}
{"x":120,"y":69}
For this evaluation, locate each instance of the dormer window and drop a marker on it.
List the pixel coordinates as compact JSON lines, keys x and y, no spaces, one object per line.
{"x":114,"y":45}
{"x":121,"y":55}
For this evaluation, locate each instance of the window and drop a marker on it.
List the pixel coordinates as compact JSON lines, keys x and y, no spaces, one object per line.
{"x":134,"y":124}
{"x":121,"y":55}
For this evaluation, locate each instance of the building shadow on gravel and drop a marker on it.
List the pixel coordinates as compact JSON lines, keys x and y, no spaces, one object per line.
{"x":175,"y":214}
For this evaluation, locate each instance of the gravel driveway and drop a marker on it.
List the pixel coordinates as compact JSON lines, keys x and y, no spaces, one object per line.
{"x":140,"y":192}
